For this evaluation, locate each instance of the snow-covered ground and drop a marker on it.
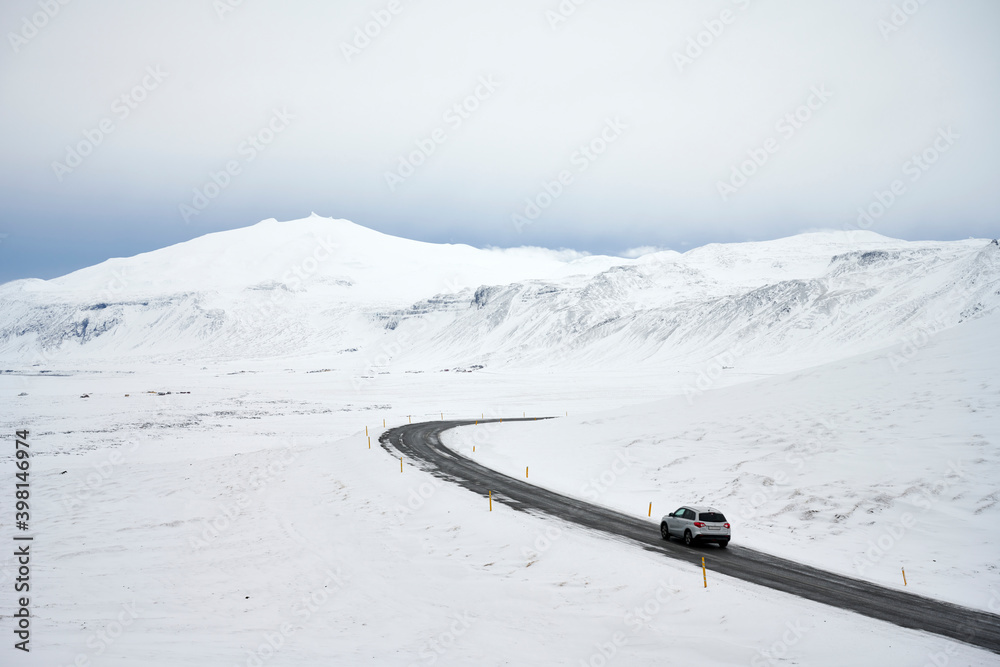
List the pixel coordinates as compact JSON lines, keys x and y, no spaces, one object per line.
{"x":252,"y":511}
{"x":817,"y":389}
{"x":863,"y":466}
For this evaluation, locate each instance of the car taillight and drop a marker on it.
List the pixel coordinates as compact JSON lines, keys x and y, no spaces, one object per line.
{"x":726,"y":525}
{"x":699,"y":524}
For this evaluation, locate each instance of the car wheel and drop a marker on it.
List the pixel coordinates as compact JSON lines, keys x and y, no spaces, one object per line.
{"x":664,"y":533}
{"x":723,"y":544}
{"x":687,"y":538}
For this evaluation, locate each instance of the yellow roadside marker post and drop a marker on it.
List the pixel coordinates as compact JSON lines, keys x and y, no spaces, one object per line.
{"x":650,"y":509}
{"x":704,"y":574}
{"x":491,"y":501}
{"x":904,"y":575}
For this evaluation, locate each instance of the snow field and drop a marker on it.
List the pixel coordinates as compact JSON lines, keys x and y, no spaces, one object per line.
{"x":248,"y":523}
{"x":862,"y":467}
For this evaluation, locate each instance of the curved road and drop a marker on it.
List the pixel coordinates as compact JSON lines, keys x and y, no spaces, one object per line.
{"x":422,"y":442}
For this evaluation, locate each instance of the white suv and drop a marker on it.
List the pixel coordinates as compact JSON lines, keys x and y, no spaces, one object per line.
{"x":696,"y":524}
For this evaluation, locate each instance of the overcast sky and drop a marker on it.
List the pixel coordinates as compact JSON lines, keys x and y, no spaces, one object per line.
{"x":602,"y":126}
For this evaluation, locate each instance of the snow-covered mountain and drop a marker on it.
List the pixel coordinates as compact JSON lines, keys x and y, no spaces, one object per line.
{"x":330,"y":288}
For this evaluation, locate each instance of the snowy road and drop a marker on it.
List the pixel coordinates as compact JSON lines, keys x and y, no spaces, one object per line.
{"x":422,"y":443}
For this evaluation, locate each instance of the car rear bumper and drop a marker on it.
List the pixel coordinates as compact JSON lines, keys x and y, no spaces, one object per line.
{"x":711,"y":537}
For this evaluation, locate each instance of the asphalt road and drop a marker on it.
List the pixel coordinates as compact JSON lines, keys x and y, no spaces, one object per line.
{"x":422,"y":443}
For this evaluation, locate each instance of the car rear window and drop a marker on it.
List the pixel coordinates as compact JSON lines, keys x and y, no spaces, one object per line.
{"x":712,"y":517}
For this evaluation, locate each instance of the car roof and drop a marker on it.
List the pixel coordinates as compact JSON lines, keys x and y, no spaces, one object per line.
{"x":701,"y":508}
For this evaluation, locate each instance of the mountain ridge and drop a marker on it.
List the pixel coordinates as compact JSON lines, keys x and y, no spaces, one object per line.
{"x":309,"y":287}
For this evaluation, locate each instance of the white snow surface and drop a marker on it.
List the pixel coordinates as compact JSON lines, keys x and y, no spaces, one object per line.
{"x":865,"y":466}
{"x":818,"y":389}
